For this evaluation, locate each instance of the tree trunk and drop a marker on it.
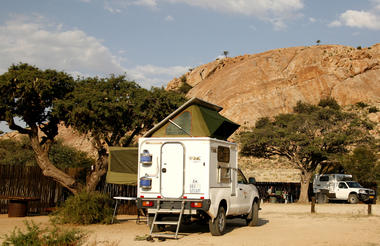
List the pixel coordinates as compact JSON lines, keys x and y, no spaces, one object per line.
{"x":41,"y":153}
{"x":99,"y":169}
{"x":305,"y":181}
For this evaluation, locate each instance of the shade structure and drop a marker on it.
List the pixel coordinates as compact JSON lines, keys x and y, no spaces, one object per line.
{"x":122,"y":165}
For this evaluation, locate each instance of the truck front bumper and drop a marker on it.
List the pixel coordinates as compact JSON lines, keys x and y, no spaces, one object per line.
{"x":173,"y":204}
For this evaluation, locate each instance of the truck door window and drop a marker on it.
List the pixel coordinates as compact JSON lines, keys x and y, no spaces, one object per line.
{"x":240,"y":178}
{"x":342,"y":185}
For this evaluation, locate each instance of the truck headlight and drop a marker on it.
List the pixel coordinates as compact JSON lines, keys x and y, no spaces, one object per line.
{"x":362,"y":192}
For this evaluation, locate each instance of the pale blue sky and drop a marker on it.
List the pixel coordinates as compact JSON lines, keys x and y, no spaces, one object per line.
{"x":153,"y":41}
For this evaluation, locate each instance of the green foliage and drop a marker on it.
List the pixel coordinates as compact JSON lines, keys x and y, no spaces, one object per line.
{"x":184,"y":87}
{"x":63,"y":156}
{"x":35,"y":236}
{"x":111,"y":108}
{"x":86,"y":208}
{"x":373,"y":109}
{"x":363,"y":164}
{"x":16,"y":152}
{"x":329,"y":102}
{"x":29,"y":93}
{"x":359,"y":47}
{"x":361,"y":104}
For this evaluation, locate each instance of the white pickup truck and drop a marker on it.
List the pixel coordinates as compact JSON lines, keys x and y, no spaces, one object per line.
{"x":341,"y":187}
{"x":193,"y":179}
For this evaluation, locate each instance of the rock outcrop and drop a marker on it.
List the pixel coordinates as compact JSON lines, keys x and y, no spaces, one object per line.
{"x":252,"y":86}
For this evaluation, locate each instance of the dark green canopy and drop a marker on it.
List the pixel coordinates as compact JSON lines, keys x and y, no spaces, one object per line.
{"x":196,"y":118}
{"x":122,"y":165}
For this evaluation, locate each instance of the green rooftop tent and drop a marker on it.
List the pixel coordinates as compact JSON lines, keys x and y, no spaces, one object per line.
{"x":195,"y":118}
{"x":122,"y":166}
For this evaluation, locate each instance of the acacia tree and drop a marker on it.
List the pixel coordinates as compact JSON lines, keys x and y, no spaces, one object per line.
{"x":113,"y":111}
{"x":309,"y":137}
{"x":29,"y":94}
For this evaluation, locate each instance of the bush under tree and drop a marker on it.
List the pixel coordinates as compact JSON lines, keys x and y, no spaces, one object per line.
{"x":86,"y":208}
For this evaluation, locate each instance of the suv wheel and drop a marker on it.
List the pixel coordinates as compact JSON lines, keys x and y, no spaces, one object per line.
{"x":353,"y":198}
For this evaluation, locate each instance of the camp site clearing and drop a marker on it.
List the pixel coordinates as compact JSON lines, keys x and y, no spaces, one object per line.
{"x":280,"y":224}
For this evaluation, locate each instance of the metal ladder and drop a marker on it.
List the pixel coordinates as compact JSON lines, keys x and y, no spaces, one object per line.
{"x":177,"y":223}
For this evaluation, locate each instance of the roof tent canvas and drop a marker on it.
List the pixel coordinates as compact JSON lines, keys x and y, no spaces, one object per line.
{"x":122,"y":165}
{"x":196,"y":118}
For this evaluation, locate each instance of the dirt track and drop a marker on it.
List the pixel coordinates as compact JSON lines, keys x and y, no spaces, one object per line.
{"x":280,"y":224}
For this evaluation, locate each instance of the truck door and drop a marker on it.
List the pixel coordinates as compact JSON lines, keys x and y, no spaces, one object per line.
{"x":172,"y":167}
{"x":342,"y":191}
{"x":244,"y":193}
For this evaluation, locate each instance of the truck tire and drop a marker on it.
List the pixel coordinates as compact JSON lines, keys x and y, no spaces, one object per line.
{"x":253,"y":219}
{"x":353,"y":198}
{"x":218,"y":226}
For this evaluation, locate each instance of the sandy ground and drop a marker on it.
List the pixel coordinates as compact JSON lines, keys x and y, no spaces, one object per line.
{"x":280,"y":224}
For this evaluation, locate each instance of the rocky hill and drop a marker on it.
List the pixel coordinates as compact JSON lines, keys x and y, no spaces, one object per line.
{"x":252,"y":86}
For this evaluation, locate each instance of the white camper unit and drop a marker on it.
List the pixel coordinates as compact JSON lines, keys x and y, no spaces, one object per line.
{"x":186,"y":178}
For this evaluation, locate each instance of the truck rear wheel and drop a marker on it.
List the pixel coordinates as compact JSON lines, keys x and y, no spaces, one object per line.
{"x":218,"y":226}
{"x":353,"y":198}
{"x":253,"y":218}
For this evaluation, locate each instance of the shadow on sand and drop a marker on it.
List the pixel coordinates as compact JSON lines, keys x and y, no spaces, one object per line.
{"x":195,"y":228}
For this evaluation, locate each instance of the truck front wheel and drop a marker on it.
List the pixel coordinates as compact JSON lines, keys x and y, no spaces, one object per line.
{"x":253,"y":218}
{"x":353,"y":198}
{"x":218,"y":226}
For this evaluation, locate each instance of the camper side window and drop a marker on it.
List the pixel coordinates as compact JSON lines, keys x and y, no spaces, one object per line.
{"x":224,"y":174}
{"x":223,"y":154}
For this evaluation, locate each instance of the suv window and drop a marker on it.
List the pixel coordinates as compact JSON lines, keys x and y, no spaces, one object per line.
{"x":324,"y":178}
{"x":342,"y":185}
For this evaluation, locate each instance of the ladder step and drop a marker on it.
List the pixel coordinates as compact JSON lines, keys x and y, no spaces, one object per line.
{"x":166,"y":222}
{"x":164,"y":235}
{"x":163,"y":211}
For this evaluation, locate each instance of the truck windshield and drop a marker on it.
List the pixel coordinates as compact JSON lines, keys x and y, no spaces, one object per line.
{"x":354,"y":185}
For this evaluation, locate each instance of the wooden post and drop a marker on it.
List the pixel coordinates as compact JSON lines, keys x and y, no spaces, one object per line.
{"x":369,"y":209}
{"x":313,"y":204}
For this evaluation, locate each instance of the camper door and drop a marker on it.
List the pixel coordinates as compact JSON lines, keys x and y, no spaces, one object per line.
{"x":172,"y":168}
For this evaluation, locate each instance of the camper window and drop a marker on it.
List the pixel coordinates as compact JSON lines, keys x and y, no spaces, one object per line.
{"x":224,"y":174}
{"x":223,"y":154}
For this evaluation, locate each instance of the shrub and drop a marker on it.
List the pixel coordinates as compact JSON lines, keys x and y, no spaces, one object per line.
{"x":35,"y":236}
{"x":86,"y":208}
{"x":361,"y":104}
{"x":373,"y":110}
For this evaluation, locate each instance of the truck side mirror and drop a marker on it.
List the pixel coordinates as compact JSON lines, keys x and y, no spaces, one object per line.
{"x":252,"y":180}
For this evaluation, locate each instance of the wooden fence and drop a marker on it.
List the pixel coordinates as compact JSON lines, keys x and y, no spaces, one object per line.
{"x":30,"y":182}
